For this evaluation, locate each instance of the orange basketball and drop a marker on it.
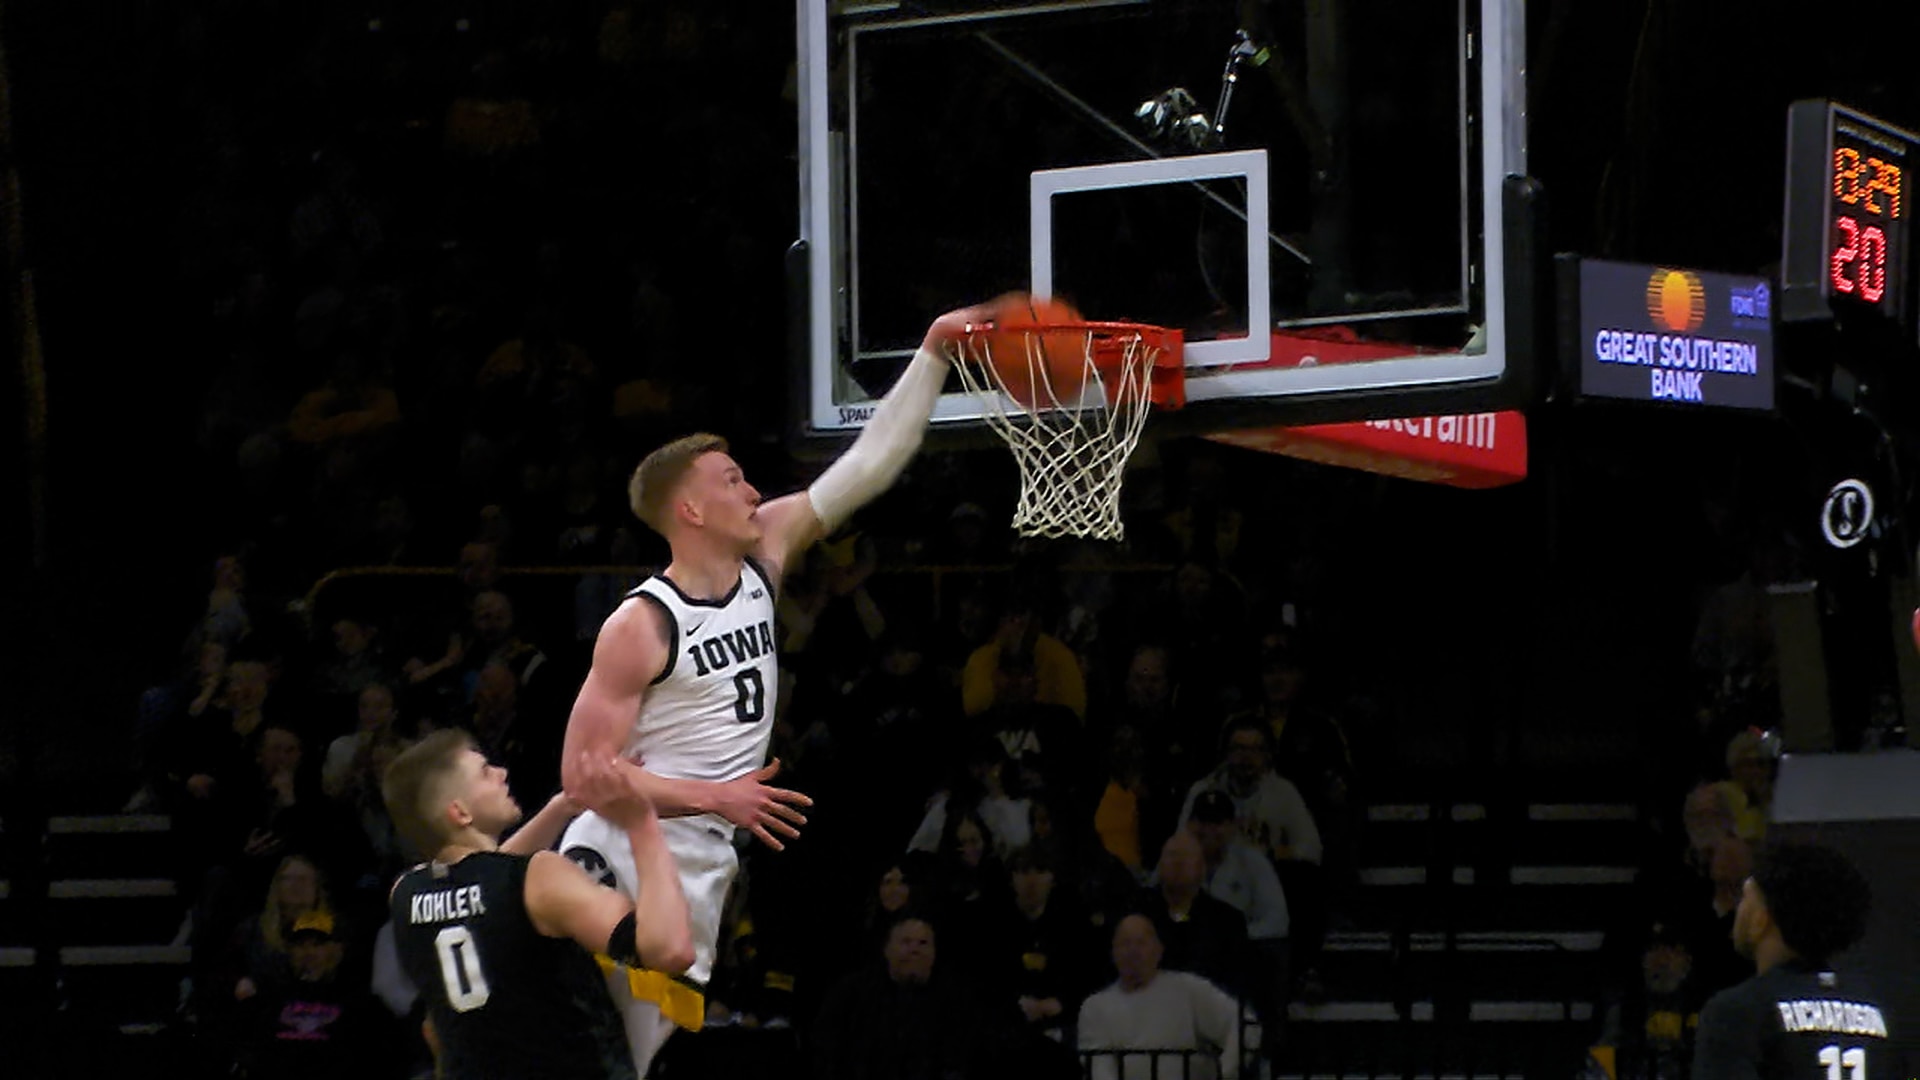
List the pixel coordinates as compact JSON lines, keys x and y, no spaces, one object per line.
{"x":1042,"y":367}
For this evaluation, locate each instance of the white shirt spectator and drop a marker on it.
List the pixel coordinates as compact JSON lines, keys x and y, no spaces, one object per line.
{"x":1272,"y":813}
{"x":390,"y":982}
{"x":1247,"y":880}
{"x":1008,"y":820}
{"x":1175,"y":1011}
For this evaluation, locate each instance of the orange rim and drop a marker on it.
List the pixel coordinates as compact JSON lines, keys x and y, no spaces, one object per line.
{"x":1166,"y":383}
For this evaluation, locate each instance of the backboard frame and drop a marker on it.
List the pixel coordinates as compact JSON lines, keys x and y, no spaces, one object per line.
{"x":1484,"y":380}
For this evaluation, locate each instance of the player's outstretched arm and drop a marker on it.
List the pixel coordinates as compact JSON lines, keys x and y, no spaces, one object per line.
{"x":540,"y":831}
{"x":652,"y":932}
{"x":792,"y":523}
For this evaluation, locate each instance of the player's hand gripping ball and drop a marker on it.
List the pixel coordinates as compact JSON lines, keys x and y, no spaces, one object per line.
{"x":1037,"y":366}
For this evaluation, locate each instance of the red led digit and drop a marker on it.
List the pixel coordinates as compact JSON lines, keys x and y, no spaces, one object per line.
{"x":1844,"y":253}
{"x":1873,"y":264}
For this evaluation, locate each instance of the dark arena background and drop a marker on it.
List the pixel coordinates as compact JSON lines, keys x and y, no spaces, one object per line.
{"x":335,"y":330}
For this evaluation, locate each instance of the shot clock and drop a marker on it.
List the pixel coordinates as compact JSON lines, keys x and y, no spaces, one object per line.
{"x":1850,"y":206}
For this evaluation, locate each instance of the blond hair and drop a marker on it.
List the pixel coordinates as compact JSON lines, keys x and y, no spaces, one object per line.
{"x":651,"y":489}
{"x":415,"y":786}
{"x":274,"y":918}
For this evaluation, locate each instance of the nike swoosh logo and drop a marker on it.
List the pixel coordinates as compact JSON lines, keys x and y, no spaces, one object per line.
{"x":692,"y":630}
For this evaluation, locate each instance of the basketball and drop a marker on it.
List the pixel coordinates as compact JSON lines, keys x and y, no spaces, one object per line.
{"x":1037,"y":368}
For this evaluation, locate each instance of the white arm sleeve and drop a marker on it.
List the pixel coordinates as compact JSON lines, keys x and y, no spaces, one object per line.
{"x":890,"y":440}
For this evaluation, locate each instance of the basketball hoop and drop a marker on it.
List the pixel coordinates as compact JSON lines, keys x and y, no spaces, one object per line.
{"x":1071,"y":437}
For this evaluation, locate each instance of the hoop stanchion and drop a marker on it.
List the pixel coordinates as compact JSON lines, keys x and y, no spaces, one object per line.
{"x":1072,"y":440}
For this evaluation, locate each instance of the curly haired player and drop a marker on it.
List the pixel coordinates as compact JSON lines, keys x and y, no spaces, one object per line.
{"x":1796,"y":1017}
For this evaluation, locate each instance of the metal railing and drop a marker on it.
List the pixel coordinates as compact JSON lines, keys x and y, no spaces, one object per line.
{"x":931,"y":585}
{"x":1150,"y":1064}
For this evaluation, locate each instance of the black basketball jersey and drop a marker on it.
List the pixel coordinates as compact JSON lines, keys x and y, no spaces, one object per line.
{"x":506,"y":1001}
{"x":1796,"y":1022}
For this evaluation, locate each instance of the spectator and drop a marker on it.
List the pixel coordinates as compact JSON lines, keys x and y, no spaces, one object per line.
{"x":1036,"y":736}
{"x":491,"y":119}
{"x":315,"y":1024}
{"x":1652,"y":1028}
{"x":1269,"y":809}
{"x":227,"y":621}
{"x":404,"y":1004}
{"x":1273,"y":815}
{"x":1706,"y":894}
{"x":1731,"y":865}
{"x":1197,"y":932}
{"x":1310,"y":749}
{"x":829,"y":621}
{"x":1202,"y":616}
{"x":525,"y":743}
{"x":1238,"y":873}
{"x":1190,"y":1026}
{"x":212,"y":762}
{"x":376,"y":720}
{"x":968,"y":539}
{"x":981,"y":789}
{"x":1709,"y":817}
{"x":907,"y":1019}
{"x":1749,"y":789}
{"x":352,"y":777}
{"x":1101,"y":885}
{"x":298,"y":889}
{"x":494,"y":641}
{"x":358,"y":661}
{"x":1041,"y":945}
{"x":167,"y":710}
{"x":350,"y":410}
{"x":282,"y":810}
{"x":595,"y":595}
{"x":489,"y":640}
{"x":907,"y":884}
{"x":479,"y":567}
{"x":1150,"y":705}
{"x":967,"y":625}
{"x":970,"y":886}
{"x":892,"y":730}
{"x":439,"y":633}
{"x":1056,"y":671}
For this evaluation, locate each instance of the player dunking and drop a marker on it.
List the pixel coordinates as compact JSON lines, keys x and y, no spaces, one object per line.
{"x":1796,"y":1017}
{"x":684,"y":675}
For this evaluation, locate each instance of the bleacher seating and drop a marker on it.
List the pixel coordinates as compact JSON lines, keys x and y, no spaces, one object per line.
{"x":1475,"y":943}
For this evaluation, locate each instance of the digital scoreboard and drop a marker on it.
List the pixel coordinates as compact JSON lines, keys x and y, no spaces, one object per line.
{"x":1666,"y":334}
{"x":1850,"y":201}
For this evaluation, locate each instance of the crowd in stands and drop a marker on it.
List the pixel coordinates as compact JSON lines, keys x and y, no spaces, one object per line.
{"x":426,"y":358}
{"x":1717,"y":808}
{"x":1067,"y":799}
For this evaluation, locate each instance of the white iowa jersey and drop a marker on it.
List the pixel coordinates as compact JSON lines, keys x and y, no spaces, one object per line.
{"x":709,"y":715}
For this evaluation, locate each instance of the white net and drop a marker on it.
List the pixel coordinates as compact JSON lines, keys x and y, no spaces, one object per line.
{"x":1071,"y":442}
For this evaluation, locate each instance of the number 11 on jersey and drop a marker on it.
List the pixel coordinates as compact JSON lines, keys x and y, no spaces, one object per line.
{"x":1853,"y":1059}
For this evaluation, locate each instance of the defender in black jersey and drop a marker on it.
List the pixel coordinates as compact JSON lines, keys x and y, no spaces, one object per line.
{"x":498,"y":939}
{"x":1796,"y":1019}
